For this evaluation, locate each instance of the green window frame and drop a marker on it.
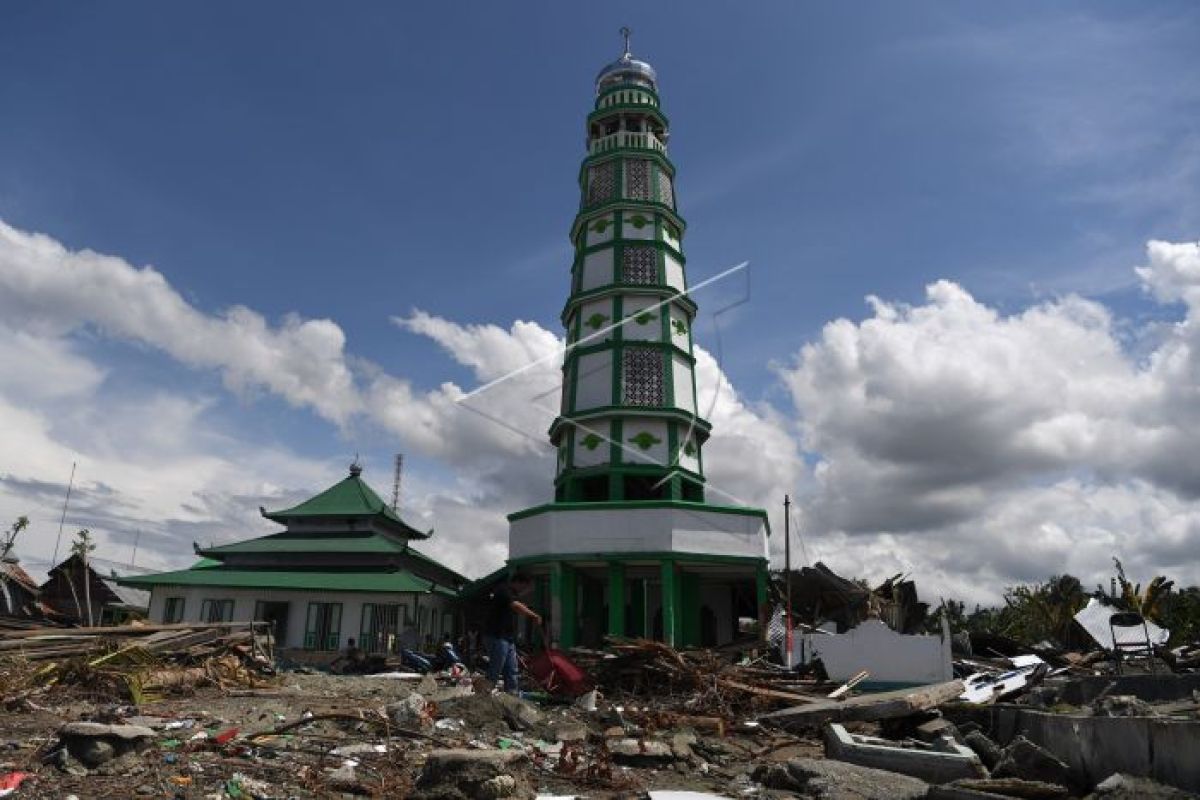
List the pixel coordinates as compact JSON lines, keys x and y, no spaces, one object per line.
{"x":216,"y":610}
{"x":173,"y":610}
{"x":380,"y":627}
{"x":323,"y":626}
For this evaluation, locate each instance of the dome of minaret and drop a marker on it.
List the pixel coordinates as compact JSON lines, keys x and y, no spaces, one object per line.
{"x":627,"y":69}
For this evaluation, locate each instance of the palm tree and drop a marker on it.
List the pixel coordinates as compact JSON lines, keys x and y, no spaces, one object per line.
{"x":1151,"y":603}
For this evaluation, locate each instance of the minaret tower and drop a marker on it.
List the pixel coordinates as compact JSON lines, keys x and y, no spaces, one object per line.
{"x":630,"y":545}
{"x":629,"y":428}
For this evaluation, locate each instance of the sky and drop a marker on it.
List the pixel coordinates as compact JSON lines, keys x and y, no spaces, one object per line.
{"x":243,"y":244}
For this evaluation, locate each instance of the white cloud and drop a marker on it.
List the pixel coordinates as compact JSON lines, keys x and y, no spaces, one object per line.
{"x":48,"y":290}
{"x":978,"y":448}
{"x":970,"y":447}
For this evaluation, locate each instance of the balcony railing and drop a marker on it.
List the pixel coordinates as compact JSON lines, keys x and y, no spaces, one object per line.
{"x":623,"y":139}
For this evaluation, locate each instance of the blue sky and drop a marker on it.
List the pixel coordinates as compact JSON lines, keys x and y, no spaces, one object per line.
{"x":359,"y":163}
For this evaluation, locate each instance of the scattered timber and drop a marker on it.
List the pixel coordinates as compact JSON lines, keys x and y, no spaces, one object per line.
{"x":865,"y":708}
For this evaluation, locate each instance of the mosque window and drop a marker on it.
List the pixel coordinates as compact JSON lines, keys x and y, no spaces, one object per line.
{"x":642,"y":377}
{"x":666,"y":194}
{"x":639,"y":265}
{"x":637,"y":179}
{"x":601,"y":183}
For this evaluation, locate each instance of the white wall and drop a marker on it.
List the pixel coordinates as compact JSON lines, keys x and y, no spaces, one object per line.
{"x":890,"y":657}
{"x":597,"y":270}
{"x":637,"y":530}
{"x":244,"y":601}
{"x":593,"y":380}
{"x":675,"y":273}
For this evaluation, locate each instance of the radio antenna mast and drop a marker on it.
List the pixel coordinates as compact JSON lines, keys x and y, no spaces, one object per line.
{"x":396,"y":483}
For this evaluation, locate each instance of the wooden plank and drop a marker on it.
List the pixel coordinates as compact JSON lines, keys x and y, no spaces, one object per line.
{"x":865,"y":708}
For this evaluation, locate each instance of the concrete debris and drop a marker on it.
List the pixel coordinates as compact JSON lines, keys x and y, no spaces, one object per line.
{"x":93,"y":743}
{"x":460,"y":774}
{"x":1129,"y":787}
{"x":865,"y":708}
{"x":640,"y":751}
{"x":1025,"y":760}
{"x":991,"y":788}
{"x":988,"y":751}
{"x":837,"y":780}
{"x":940,"y":762}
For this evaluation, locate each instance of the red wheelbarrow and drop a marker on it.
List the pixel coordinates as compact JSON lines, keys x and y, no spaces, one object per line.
{"x":556,"y":673}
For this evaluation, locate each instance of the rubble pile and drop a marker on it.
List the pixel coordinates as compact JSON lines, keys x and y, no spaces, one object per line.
{"x":698,"y":681}
{"x":134,"y":662}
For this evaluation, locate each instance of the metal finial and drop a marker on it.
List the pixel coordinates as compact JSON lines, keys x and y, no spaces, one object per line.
{"x":355,"y":467}
{"x":626,"y":32}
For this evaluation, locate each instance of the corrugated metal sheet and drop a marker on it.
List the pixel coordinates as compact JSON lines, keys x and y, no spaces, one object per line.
{"x":133,"y":598}
{"x":1094,"y":619}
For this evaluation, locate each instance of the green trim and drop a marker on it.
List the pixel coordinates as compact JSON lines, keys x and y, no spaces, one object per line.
{"x":649,"y":556}
{"x":660,"y":292}
{"x":670,"y":603}
{"x":302,"y":580}
{"x":603,"y":112}
{"x":608,"y":344}
{"x":587,"y":214}
{"x":683,"y":505}
{"x":623,"y":468}
{"x":637,"y":608}
{"x":760,"y":592}
{"x":689,"y":608}
{"x":616,"y":598}
{"x":625,"y":87}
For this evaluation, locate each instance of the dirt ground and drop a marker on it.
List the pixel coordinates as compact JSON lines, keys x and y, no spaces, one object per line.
{"x":216,"y":744}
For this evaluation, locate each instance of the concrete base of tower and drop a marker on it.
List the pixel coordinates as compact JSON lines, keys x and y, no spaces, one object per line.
{"x":655,"y":526}
{"x":689,"y":574}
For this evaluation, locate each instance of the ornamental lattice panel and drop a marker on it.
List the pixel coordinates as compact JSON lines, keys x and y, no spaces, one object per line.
{"x":666,"y":194}
{"x":642,"y":376}
{"x":601,"y":183}
{"x":637,"y":179}
{"x":639,"y":265}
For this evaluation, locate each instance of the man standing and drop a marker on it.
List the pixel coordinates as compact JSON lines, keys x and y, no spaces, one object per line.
{"x":500,"y":628}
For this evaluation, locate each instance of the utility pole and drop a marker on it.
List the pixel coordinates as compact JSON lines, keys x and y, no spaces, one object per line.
{"x":396,"y":482}
{"x":787,"y":577}
{"x":63,"y":518}
{"x":136,"y":538}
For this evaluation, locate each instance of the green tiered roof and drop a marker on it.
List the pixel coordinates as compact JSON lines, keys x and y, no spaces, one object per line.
{"x":358,"y":581}
{"x":350,"y":498}
{"x":287,"y":542}
{"x":370,"y":552}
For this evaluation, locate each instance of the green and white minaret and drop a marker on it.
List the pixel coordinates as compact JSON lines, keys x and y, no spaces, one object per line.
{"x":630,"y":546}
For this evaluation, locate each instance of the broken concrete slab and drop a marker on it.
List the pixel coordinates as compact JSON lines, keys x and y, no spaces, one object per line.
{"x":865,"y":708}
{"x":1026,"y":760}
{"x":462,"y":774}
{"x":95,"y":743}
{"x":837,"y":780}
{"x":936,"y":728}
{"x":1096,"y":747}
{"x":1130,"y":787}
{"x":564,"y":730}
{"x":988,"y":751}
{"x":640,"y":751}
{"x":939,"y":762}
{"x":992,"y":788}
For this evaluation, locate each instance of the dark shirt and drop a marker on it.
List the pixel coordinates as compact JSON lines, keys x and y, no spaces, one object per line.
{"x":500,"y":621}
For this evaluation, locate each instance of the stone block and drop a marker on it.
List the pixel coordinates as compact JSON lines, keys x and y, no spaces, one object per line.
{"x":940,"y":762}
